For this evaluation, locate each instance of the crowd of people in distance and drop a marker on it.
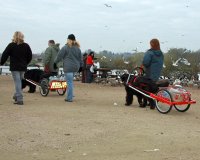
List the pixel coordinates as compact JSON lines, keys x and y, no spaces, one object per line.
{"x":88,"y":63}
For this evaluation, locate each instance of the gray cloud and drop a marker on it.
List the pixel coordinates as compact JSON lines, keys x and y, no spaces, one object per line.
{"x":99,"y":27}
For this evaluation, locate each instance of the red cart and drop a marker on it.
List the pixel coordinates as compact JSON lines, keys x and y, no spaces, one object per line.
{"x":53,"y":83}
{"x":166,"y":97}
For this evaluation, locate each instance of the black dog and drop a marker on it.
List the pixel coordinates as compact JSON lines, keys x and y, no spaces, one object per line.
{"x":130,"y":92}
{"x":145,"y":85}
{"x":34,"y":75}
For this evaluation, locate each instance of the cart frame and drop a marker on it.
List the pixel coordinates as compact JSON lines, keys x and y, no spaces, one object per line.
{"x":163,"y":98}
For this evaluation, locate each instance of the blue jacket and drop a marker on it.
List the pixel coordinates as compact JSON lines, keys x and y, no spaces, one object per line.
{"x":153,"y":63}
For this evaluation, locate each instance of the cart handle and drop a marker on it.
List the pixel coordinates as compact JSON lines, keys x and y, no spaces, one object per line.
{"x":161,"y":99}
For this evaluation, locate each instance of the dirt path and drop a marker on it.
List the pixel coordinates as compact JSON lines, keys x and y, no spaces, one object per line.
{"x":93,"y":127}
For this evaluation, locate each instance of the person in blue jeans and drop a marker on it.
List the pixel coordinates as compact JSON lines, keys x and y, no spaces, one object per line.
{"x":70,"y":86}
{"x":72,"y":61}
{"x":20,"y":55}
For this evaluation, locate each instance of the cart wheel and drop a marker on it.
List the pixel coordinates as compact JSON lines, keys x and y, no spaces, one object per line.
{"x":61,"y":92}
{"x":44,"y":87}
{"x":182,"y":108}
{"x":163,"y":107}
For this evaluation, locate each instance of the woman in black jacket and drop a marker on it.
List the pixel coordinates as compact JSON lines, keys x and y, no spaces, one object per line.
{"x":20,"y":56}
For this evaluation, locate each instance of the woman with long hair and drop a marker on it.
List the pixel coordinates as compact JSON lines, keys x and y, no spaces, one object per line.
{"x":153,"y":60}
{"x":20,"y":56}
{"x":72,"y":59}
{"x":153,"y":63}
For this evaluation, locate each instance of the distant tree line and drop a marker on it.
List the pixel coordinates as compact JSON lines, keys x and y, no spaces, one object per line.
{"x":129,"y":61}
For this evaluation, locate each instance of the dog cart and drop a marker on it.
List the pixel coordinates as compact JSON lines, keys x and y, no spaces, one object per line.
{"x":167,"y":96}
{"x":53,"y":83}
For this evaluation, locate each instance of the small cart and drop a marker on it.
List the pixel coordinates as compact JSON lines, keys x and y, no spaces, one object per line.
{"x":166,"y":97}
{"x":53,"y":83}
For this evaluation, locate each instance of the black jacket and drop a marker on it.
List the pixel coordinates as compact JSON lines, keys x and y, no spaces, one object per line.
{"x":20,"y":56}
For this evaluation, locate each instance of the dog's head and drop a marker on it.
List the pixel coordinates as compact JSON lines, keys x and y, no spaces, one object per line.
{"x":124,"y":77}
{"x":127,"y":78}
{"x":34,"y":74}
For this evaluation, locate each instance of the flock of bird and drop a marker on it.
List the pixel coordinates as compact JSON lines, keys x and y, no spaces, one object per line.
{"x":163,"y":42}
{"x":180,"y":60}
{"x":175,"y":64}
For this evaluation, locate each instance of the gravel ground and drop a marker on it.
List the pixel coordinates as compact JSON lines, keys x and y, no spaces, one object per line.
{"x":96,"y":126}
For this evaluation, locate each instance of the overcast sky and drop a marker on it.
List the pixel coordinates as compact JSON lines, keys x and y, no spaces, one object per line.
{"x":127,"y":25}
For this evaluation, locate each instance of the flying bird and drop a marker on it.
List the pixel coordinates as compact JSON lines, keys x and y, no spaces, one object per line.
{"x":104,"y":57}
{"x":107,"y":5}
{"x":163,"y":42}
{"x":182,"y":60}
{"x":185,"y":61}
{"x":126,"y":62}
{"x":135,"y":50}
{"x":175,"y":64}
{"x":164,"y":66}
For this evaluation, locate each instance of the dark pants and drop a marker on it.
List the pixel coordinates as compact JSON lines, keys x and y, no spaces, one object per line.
{"x":89,"y":74}
{"x":84,"y":75}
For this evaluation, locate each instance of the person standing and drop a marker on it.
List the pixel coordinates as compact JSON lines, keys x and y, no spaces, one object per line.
{"x":84,"y":68}
{"x":89,"y":64}
{"x":50,"y":55}
{"x":153,"y":60}
{"x":71,"y":56}
{"x":153,"y":63}
{"x":20,"y":55}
